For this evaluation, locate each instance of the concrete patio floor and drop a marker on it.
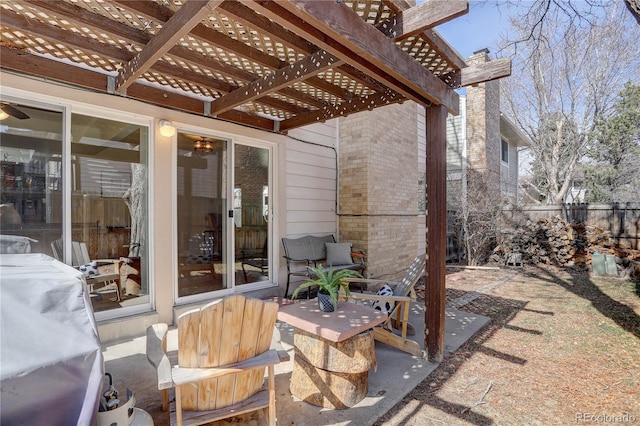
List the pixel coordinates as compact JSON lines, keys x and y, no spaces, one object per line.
{"x":397,"y":374}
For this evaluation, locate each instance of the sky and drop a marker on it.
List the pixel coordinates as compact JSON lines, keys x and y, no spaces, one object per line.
{"x":480,"y":28}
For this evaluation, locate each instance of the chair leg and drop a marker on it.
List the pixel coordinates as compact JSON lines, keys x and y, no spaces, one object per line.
{"x":165,"y":399}
{"x":387,"y":337}
{"x":178,"y":406}
{"x":119,"y":289}
{"x":244,"y":271}
{"x":272,"y":395}
{"x":286,"y":292}
{"x":403,"y":324}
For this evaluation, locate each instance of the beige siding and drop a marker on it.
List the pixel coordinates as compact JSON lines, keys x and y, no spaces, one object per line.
{"x":310,"y":181}
{"x":509,"y":172}
{"x":456,"y":139}
{"x":456,"y":153}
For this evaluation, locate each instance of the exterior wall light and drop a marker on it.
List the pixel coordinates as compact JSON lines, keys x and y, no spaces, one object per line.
{"x":166,"y":128}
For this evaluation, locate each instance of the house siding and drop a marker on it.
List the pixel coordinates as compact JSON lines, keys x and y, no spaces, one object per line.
{"x":310,"y":188}
{"x":456,"y":154}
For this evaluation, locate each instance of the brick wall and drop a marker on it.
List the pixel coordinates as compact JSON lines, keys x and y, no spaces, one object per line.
{"x":483,"y":126}
{"x":378,"y":194}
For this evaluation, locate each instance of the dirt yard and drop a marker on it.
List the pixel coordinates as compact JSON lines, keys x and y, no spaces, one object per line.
{"x":561,"y":348}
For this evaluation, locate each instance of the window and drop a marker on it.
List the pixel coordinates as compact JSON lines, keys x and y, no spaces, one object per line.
{"x":505,"y":151}
{"x":109,"y":203}
{"x":31,"y":180}
{"x":104,"y":176}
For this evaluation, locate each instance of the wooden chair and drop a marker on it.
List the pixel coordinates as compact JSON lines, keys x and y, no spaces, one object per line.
{"x":80,"y":256}
{"x":223,"y":349}
{"x":400,"y":302}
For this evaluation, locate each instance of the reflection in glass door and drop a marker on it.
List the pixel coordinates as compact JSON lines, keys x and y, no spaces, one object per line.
{"x":201,"y":208}
{"x":251,"y":214}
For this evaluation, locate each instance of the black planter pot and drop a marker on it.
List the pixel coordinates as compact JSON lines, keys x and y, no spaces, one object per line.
{"x":325,"y":303}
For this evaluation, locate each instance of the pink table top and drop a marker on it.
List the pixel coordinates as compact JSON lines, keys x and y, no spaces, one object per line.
{"x":345,"y":322}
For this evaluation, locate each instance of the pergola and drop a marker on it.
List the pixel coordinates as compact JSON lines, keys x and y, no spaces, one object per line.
{"x":273,"y":65}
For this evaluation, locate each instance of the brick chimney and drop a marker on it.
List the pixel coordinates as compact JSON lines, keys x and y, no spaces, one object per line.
{"x":483,"y":126}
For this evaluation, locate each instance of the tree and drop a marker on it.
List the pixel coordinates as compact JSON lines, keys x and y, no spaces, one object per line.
{"x":613,"y":172}
{"x":634,"y":8}
{"x":475,"y":215}
{"x":566,"y":73}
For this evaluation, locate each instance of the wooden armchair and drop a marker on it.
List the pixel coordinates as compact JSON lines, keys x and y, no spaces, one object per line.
{"x":223,"y":349}
{"x":398,"y":305}
{"x":107,"y":272}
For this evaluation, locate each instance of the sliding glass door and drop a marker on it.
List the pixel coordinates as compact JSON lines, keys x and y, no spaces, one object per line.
{"x":251,"y":212}
{"x":202,"y":182}
{"x":221,"y":187}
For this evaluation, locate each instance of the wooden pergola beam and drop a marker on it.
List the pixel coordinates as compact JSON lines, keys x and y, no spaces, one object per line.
{"x":419,"y":18}
{"x":486,"y":71}
{"x":52,"y":32}
{"x":55,"y":33}
{"x":436,"y":231}
{"x":341,"y":32}
{"x":246,"y":15}
{"x":301,"y":70}
{"x":29,"y":64}
{"x":160,"y":13}
{"x":188,"y":16}
{"x":431,"y":36}
{"x":350,"y":107}
{"x":77,"y":15}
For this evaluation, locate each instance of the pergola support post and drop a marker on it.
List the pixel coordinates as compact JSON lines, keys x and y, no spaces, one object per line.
{"x":436,"y":231}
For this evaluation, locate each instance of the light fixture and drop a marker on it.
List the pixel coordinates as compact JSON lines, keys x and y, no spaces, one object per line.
{"x":166,"y":128}
{"x":202,"y":146}
{"x":3,"y":115}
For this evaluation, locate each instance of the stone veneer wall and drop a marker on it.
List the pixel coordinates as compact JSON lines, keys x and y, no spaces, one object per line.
{"x":378,"y":187}
{"x":483,"y":126}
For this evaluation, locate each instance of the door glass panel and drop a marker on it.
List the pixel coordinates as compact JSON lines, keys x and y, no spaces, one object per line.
{"x":202,"y":205}
{"x":31,"y":179}
{"x":251,"y":214}
{"x":109,"y":208}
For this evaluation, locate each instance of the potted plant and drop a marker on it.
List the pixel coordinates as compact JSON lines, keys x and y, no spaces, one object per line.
{"x":329,"y":284}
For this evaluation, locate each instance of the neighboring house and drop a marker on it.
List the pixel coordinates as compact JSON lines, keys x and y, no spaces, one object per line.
{"x":482,"y":140}
{"x":577,"y":192}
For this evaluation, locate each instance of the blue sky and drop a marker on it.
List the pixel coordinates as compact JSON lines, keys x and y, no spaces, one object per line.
{"x":480,"y":28}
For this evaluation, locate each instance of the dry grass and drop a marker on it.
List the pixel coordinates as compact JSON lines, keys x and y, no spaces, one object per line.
{"x":560,"y":346}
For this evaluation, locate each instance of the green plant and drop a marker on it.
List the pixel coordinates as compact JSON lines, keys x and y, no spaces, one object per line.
{"x":328,"y":282}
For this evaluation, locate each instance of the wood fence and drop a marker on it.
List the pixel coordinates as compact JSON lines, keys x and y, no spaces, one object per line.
{"x":622,"y":220}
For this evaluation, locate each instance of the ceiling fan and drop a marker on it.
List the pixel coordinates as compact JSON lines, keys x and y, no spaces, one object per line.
{"x":8,"y":110}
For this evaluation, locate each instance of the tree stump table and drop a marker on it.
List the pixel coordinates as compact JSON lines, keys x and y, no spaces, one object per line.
{"x":333,"y":352}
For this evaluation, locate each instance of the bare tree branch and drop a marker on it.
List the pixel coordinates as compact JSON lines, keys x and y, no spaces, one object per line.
{"x":634,"y":8}
{"x":569,"y":62}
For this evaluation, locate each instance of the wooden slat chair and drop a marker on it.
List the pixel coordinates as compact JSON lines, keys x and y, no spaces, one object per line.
{"x":400,"y":300}
{"x":223,"y":349}
{"x":80,"y":256}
